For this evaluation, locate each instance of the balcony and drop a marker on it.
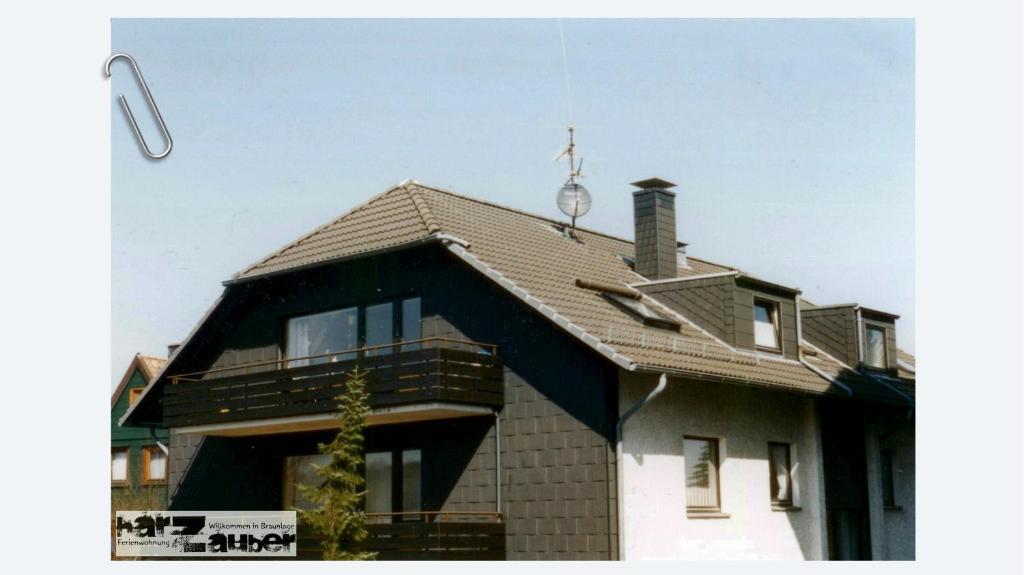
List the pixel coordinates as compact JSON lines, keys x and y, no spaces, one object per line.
{"x":424,"y":536}
{"x":412,"y":381}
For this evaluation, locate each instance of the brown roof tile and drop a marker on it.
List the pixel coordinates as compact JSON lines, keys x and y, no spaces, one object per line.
{"x":532,"y":257}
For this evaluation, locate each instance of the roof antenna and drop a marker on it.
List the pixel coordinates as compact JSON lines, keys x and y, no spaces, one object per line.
{"x":573,"y":199}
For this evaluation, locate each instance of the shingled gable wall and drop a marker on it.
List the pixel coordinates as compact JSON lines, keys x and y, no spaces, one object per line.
{"x":557,"y":426}
{"x":724,"y":307}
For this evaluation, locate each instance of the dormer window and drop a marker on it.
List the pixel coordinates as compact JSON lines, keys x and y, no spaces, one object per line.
{"x":874,"y":354}
{"x":766,"y":325}
{"x":642,"y":311}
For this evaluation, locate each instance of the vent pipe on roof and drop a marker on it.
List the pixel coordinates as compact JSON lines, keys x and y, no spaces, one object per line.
{"x":654,"y":219}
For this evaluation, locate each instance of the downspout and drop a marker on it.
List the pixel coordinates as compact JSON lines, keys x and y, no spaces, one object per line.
{"x":860,"y":335}
{"x":662,"y":383}
{"x":827,"y":377}
{"x":497,"y":462}
{"x":152,"y":434}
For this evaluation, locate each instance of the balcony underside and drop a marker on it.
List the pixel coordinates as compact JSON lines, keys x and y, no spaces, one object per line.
{"x":426,"y":382}
{"x":318,"y":422}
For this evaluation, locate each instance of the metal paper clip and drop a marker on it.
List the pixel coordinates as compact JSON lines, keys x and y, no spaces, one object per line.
{"x":152,"y":105}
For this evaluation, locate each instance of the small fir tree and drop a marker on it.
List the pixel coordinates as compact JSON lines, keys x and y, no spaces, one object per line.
{"x":338,"y":515}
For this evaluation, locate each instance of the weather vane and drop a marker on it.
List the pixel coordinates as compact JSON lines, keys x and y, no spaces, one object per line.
{"x":573,"y":199}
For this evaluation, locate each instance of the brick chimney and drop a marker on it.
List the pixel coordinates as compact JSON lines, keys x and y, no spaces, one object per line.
{"x":654,"y":218}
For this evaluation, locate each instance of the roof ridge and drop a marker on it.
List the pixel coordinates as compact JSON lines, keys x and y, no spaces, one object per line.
{"x":519,"y":211}
{"x":423,"y":209}
{"x":317,"y":230}
{"x":550,"y":220}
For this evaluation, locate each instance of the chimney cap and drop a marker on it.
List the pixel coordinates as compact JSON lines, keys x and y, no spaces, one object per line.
{"x":653,"y":183}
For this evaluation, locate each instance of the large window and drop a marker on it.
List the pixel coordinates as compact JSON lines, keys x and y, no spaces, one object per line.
{"x":322,"y":333}
{"x":701,"y":455}
{"x":780,"y":475}
{"x":766,"y":325}
{"x":301,"y":470}
{"x":394,"y":485}
{"x":875,"y":352}
{"x":334,"y":335}
{"x":154,"y":464}
{"x":119,"y":465}
{"x":411,"y":323}
{"x":380,"y":327}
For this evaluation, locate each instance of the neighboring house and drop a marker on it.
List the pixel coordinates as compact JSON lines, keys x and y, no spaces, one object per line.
{"x":544,"y":393}
{"x":138,"y":465}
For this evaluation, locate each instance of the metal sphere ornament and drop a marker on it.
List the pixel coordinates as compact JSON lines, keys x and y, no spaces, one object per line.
{"x":574,"y":200}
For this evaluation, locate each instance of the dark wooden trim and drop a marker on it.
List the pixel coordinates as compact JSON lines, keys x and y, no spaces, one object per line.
{"x":428,"y":374}
{"x":424,"y":540}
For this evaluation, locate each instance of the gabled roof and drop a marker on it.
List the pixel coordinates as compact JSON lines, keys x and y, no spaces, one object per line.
{"x":530,"y":256}
{"x":149,"y":366}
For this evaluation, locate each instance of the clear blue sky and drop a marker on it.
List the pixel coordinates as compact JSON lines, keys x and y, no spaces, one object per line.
{"x":791,"y":141}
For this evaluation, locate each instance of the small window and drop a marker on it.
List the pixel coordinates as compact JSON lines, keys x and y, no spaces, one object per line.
{"x":119,"y":465}
{"x":701,"y":455}
{"x":781,"y":479}
{"x":133,"y":395}
{"x":766,"y":325}
{"x":875,"y":353}
{"x":888,"y":481}
{"x":154,"y":465}
{"x":643,"y":311}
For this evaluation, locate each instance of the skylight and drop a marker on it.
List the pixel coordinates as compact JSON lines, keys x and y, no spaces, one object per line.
{"x":642,"y":311}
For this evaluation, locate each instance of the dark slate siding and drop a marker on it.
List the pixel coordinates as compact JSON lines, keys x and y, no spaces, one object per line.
{"x":726,"y":310}
{"x":706,"y":302}
{"x":557,"y":426}
{"x":655,"y":234}
{"x":834,"y":330}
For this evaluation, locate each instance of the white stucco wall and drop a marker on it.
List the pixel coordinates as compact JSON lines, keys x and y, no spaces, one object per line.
{"x":744,"y":420}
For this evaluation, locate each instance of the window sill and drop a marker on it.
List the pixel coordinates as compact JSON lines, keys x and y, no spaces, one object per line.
{"x":777,"y":507}
{"x":119,"y":484}
{"x":153,"y":483}
{"x":691,"y":514}
{"x":893,"y":507}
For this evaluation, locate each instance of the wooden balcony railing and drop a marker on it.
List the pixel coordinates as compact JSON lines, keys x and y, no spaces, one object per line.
{"x":427,"y":370}
{"x":423,"y":536}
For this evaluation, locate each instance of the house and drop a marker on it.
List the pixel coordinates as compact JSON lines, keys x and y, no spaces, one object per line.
{"x":540,"y":391}
{"x":138,"y":460}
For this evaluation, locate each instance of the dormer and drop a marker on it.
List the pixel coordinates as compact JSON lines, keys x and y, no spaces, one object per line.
{"x":859,"y":336}
{"x":744,"y":311}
